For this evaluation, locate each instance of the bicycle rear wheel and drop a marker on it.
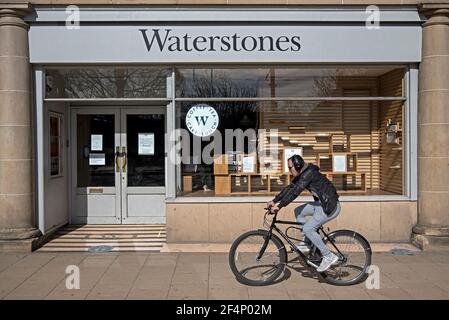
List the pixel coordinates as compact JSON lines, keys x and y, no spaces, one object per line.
{"x":355,"y":258}
{"x":244,"y":262}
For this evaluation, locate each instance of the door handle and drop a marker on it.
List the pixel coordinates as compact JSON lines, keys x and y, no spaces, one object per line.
{"x":125,"y":157}
{"x":117,"y":156}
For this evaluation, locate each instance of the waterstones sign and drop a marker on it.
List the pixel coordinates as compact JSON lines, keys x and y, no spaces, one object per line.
{"x":165,"y":40}
{"x":121,"y":43}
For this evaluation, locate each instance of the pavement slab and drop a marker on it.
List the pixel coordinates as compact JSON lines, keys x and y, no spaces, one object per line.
{"x":206,"y":275}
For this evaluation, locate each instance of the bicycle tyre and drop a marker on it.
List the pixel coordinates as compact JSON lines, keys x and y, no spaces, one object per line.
{"x":328,"y":277}
{"x":279,"y":268}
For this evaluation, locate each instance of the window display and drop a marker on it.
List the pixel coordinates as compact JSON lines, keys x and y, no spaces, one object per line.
{"x":341,"y":122}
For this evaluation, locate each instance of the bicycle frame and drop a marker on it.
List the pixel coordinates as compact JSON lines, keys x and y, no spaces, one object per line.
{"x":287,"y":239}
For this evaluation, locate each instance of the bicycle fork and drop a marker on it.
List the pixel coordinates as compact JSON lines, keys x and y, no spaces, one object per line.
{"x":264,"y":247}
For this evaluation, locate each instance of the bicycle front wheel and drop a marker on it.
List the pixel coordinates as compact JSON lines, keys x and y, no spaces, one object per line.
{"x":354,"y":258}
{"x":257,"y":258}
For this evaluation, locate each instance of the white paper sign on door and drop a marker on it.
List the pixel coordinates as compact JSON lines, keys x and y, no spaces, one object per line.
{"x":96,"y":142}
{"x":146,"y":144}
{"x":97,"y":159}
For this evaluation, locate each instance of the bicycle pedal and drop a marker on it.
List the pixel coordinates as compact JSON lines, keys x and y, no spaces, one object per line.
{"x":314,"y":258}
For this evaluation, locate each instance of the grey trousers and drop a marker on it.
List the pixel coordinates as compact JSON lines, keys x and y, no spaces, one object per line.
{"x":318,"y":218}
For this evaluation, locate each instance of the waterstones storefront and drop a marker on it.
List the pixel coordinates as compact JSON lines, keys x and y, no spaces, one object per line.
{"x":185,"y":116}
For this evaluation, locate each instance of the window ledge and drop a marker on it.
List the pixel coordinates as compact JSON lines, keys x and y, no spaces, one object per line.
{"x":298,"y":200}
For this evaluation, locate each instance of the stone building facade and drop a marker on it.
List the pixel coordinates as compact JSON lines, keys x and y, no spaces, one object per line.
{"x":423,"y":218}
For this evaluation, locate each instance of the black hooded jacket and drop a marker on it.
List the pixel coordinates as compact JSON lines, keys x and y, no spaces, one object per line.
{"x":311,"y":179}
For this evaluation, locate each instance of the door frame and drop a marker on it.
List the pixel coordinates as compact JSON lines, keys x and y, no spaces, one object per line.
{"x":118,"y":110}
{"x":74,"y":190}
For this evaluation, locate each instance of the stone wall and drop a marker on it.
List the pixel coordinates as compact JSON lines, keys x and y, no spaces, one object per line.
{"x":384,"y":221}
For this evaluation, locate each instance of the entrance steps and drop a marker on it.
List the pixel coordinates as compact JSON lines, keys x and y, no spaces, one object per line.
{"x":116,"y":238}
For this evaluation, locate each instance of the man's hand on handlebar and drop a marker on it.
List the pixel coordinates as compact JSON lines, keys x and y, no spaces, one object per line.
{"x":273,"y":207}
{"x":270,"y":204}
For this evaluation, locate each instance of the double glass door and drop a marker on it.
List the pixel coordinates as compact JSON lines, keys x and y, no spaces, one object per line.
{"x":118,"y":165}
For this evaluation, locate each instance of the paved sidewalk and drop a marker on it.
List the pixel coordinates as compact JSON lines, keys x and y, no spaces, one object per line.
{"x":206,"y":276}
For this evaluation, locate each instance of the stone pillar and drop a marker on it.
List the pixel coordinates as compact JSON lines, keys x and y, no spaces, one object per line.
{"x":432,"y":229}
{"x":17,"y":215}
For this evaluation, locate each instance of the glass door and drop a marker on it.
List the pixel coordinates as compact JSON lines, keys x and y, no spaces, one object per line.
{"x":118,"y":165}
{"x":95,"y":166}
{"x":143,"y":175}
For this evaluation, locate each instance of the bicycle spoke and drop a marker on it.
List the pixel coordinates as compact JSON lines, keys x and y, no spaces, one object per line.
{"x":251,"y":268}
{"x":354,"y":254}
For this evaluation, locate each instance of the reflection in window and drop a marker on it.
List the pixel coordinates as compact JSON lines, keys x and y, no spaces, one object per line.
{"x":55,"y":145}
{"x":271,"y":82}
{"x":149,"y":82}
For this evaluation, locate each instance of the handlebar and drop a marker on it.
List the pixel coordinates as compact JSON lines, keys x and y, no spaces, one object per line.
{"x":269,"y":210}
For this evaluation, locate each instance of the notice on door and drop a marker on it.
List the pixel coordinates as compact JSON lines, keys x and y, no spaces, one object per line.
{"x":96,"y":142}
{"x":97,"y":159}
{"x":146,"y":144}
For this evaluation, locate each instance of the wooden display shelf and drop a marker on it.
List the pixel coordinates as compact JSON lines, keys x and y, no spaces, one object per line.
{"x":221,"y":164}
{"x":330,"y":155}
{"x":223,"y":183}
{"x":332,"y":141}
{"x":363,"y":189}
{"x":187,"y":183}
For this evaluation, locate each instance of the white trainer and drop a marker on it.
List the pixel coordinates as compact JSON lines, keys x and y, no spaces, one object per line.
{"x":327,"y":262}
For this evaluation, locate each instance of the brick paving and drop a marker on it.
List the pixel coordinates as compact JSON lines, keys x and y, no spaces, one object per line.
{"x":42,"y":275}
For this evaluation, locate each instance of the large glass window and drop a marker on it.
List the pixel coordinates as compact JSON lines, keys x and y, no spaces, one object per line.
{"x":238,"y":127}
{"x":274,"y":82}
{"x":106,"y":82}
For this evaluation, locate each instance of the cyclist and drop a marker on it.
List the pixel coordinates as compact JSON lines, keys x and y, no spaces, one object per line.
{"x":323,"y":209}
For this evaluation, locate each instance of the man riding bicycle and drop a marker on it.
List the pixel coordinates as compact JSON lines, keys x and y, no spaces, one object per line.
{"x":323,"y":209}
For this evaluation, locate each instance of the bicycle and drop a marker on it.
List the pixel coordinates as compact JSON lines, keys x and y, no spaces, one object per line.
{"x":265,"y":254}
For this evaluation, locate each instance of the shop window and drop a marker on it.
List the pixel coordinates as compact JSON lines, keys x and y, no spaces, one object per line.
{"x":274,"y":82}
{"x":55,"y":150}
{"x":106,"y":82}
{"x":354,"y":135}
